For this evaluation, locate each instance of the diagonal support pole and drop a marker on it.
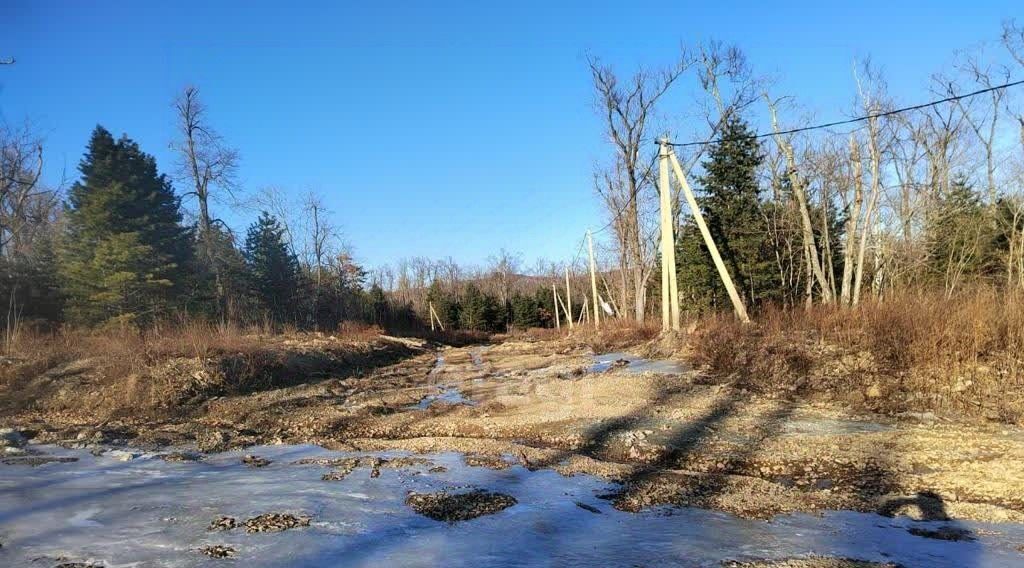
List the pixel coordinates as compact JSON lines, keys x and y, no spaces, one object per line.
{"x":723,"y":272}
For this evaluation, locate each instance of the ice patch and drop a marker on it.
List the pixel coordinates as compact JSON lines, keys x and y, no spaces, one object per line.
{"x":148,"y":512}
{"x":633,"y":364}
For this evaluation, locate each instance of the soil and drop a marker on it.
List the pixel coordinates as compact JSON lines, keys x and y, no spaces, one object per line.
{"x":814,"y":562}
{"x":218,"y":551}
{"x":255,"y":461}
{"x":222,"y":524}
{"x":668,"y":438}
{"x":453,"y":507}
{"x":275,"y":522}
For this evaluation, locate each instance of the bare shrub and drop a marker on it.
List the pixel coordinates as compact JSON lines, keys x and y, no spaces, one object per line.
{"x":919,"y":351}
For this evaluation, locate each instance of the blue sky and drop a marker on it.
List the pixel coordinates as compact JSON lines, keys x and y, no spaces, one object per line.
{"x":433,"y":128}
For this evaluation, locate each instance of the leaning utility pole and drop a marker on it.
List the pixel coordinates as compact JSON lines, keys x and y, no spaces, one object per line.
{"x":593,"y":280}
{"x":737,"y":302}
{"x":669,"y":283}
{"x":568,"y":297}
{"x":554,"y":294}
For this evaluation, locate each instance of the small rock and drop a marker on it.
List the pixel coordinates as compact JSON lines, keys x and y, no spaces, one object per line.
{"x":874,"y":391}
{"x":222,"y":524}
{"x":255,"y":461}
{"x":122,"y":455}
{"x":218,"y":551}
{"x":11,"y":438}
{"x":213,"y":441}
{"x":275,"y":522}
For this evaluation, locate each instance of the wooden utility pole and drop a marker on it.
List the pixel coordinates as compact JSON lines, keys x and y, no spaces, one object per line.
{"x":434,"y":316}
{"x":554,"y":294}
{"x":737,"y":302}
{"x":568,"y":297}
{"x":669,"y":282}
{"x":593,"y":281}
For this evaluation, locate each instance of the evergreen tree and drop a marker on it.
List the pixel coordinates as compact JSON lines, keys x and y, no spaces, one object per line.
{"x":525,"y":312}
{"x":732,"y":206}
{"x":273,"y":269}
{"x":478,"y":309}
{"x":125,"y":251}
{"x":446,"y":306}
{"x":233,"y":274}
{"x":545,"y":306}
{"x":378,"y":305}
{"x":957,"y":234}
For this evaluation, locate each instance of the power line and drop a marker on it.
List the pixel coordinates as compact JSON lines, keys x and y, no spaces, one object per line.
{"x":634,"y":193}
{"x":851,"y":120}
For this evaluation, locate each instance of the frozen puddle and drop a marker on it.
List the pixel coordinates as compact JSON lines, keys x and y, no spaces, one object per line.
{"x":445,"y":395}
{"x":634,"y":364}
{"x":150,"y":512}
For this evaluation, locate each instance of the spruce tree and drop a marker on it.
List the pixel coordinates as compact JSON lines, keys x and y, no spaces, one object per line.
{"x":125,"y":251}
{"x":445,"y":305}
{"x":732,"y":206}
{"x":525,"y":311}
{"x":273,"y":269}
{"x":958,"y":234}
{"x":478,"y":310}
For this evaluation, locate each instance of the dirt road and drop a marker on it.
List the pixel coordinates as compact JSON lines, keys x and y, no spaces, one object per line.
{"x":658,"y":429}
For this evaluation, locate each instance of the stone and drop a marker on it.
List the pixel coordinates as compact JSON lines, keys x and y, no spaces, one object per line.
{"x":11,"y":438}
{"x":122,"y":455}
{"x":218,"y":551}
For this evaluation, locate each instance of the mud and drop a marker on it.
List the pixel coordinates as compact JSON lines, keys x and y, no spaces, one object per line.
{"x":255,"y":461}
{"x":655,"y":426}
{"x":222,"y":524}
{"x":275,"y":522}
{"x":218,"y":551}
{"x":815,"y":562}
{"x":454,"y":507}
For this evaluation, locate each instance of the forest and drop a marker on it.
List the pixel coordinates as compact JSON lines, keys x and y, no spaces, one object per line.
{"x":920,"y":201}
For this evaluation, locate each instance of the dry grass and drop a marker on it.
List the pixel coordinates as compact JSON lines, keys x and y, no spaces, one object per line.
{"x":119,"y":369}
{"x":613,"y":334}
{"x":915,"y":352}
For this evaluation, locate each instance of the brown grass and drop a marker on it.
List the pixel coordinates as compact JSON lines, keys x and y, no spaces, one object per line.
{"x":918,"y":351}
{"x":116,"y":370}
{"x":612,"y":335}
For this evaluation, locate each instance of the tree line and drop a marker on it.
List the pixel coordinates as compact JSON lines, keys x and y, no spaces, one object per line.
{"x":115,"y":247}
{"x":929,"y":198}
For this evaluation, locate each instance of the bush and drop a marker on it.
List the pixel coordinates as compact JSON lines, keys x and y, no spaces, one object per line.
{"x":919,"y":351}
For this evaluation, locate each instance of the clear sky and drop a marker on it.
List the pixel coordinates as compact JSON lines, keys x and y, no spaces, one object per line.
{"x":433,"y":128}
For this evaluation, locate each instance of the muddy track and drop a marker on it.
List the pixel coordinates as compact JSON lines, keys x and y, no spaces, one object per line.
{"x":667,"y":438}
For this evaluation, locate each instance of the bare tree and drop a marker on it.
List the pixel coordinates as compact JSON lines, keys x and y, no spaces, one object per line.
{"x":628,"y":108}
{"x":798,"y":185}
{"x":209,"y":165}
{"x":984,"y":122}
{"x":23,"y":203}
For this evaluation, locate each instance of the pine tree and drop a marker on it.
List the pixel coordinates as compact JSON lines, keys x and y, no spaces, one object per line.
{"x":477,"y":309}
{"x":273,"y":269}
{"x":125,"y":251}
{"x":380,"y":310}
{"x":445,"y":305}
{"x":233,"y":274}
{"x":732,"y":206}
{"x":958,"y":236}
{"x":525,"y":312}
